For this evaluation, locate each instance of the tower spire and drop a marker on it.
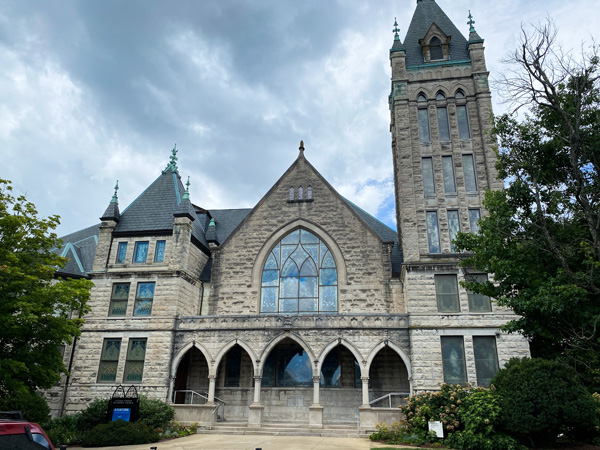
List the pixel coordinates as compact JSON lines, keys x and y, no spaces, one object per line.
{"x":396,"y":30}
{"x":112,"y":211}
{"x":186,"y":194}
{"x":471,"y":22}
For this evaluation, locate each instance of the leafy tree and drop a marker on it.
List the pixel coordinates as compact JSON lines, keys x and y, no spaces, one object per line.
{"x":541,"y":239}
{"x":542,"y":399}
{"x":37,"y":314}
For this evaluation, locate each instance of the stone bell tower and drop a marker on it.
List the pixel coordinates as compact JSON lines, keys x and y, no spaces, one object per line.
{"x":441,"y":119}
{"x":444,"y":161}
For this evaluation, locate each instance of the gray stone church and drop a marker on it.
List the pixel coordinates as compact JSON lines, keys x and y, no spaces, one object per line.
{"x":305,"y":309}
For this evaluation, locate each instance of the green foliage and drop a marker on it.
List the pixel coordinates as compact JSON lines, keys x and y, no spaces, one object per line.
{"x":481,"y":415}
{"x":119,"y":432}
{"x":93,"y":415}
{"x":32,"y":405}
{"x":541,"y":399}
{"x":471,"y":419}
{"x":155,"y":413}
{"x":70,"y":429}
{"x":541,"y":239}
{"x":175,"y":430}
{"x":36,"y":315}
{"x":63,"y":430}
{"x":440,"y":406}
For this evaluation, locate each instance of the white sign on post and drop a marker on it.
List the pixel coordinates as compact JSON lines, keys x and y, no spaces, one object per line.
{"x":437,"y":428}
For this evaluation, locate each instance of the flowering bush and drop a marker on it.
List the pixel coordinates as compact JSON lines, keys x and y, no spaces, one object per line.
{"x":470,"y":418}
{"x":442,"y":406}
{"x":175,"y":429}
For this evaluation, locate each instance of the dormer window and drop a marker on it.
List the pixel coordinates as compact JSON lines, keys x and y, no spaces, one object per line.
{"x":435,"y":45}
{"x":435,"y":49}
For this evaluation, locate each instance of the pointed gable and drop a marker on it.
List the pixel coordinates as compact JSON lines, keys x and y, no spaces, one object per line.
{"x":427,"y":14}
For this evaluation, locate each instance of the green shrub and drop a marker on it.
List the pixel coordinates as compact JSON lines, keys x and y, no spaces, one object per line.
{"x":32,"y":405}
{"x":155,"y":413}
{"x":541,"y":399}
{"x":175,"y":429}
{"x":93,"y":415}
{"x":481,"y":416}
{"x":119,"y":432}
{"x":63,"y":430}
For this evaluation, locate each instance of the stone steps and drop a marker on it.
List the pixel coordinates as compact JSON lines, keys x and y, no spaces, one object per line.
{"x":285,"y":429}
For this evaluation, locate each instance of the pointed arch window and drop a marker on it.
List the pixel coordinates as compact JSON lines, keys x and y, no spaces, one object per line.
{"x":435,"y":49}
{"x":299,"y":276}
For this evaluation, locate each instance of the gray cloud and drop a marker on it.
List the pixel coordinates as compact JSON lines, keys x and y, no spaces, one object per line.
{"x":97,"y":91}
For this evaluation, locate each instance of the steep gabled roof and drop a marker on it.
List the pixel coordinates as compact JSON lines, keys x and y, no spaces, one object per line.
{"x":152,"y":212}
{"x":80,"y":248}
{"x":427,"y":13}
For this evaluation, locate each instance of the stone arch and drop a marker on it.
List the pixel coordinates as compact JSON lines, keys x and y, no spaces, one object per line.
{"x":294,"y":337}
{"x":279,"y":234}
{"x":177,"y":360}
{"x":422,"y":90}
{"x":181,"y":353}
{"x":228,"y":347}
{"x":345,"y":343}
{"x":463,"y":88}
{"x":397,"y":349}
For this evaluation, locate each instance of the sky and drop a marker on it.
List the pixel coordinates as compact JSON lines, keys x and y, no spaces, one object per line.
{"x":97,"y":91}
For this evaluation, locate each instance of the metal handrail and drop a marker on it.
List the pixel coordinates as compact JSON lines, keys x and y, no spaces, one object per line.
{"x":212,"y":414}
{"x":389,"y":396}
{"x":189,"y":391}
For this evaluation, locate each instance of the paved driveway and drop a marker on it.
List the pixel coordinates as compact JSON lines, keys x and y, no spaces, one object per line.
{"x":253,"y":442}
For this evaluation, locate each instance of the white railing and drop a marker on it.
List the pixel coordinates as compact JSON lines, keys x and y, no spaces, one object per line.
{"x":389,"y":397}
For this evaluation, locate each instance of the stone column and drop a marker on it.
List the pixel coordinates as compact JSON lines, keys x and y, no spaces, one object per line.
{"x":316,"y":410}
{"x":255,"y":410}
{"x":212,"y":380}
{"x":367,"y":418}
{"x":316,"y":386}
{"x":257,"y":384}
{"x":365,"y":391}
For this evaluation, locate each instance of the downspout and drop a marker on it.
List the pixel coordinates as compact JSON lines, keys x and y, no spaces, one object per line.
{"x":171,"y":378}
{"x":67,"y":379}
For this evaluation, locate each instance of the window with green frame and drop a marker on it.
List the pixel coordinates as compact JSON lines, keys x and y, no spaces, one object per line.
{"x":134,"y":366}
{"x":118,"y":299}
{"x":143,"y":299}
{"x":109,"y":360}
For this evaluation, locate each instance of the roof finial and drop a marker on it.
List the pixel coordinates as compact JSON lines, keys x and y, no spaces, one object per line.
{"x":172,"y":161}
{"x":471,"y":22}
{"x":186,"y":194}
{"x":301,"y":146}
{"x":114,"y":197}
{"x":396,"y":30}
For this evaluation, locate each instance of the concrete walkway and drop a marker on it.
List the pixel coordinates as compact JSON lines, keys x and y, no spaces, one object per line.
{"x":253,"y":442}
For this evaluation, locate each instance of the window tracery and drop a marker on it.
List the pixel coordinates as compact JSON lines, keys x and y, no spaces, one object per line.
{"x":299,"y":276}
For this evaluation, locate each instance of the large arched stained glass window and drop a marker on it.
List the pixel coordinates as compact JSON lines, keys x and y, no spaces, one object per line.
{"x":299,"y":276}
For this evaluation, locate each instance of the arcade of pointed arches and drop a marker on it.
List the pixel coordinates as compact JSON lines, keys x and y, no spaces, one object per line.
{"x":288,"y":361}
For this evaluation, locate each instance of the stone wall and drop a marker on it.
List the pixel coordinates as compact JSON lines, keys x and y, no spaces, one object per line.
{"x":362,"y":259}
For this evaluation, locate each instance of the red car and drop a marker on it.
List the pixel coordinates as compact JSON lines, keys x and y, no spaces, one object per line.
{"x":18,"y":434}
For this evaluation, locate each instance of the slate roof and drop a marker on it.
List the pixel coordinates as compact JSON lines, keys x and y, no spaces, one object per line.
{"x":385,"y":233}
{"x":80,"y":248}
{"x":152,"y":211}
{"x":427,"y":13}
